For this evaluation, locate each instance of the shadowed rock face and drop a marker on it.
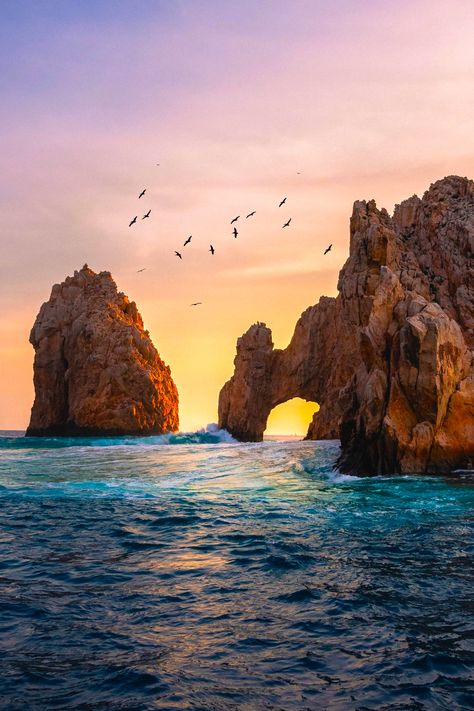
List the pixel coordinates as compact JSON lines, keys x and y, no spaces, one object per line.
{"x":390,"y":359}
{"x":96,"y":370}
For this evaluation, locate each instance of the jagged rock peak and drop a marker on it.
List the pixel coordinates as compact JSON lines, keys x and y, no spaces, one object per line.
{"x":96,"y":370}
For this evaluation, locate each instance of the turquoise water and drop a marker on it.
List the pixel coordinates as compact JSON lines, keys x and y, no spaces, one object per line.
{"x":192,"y":572}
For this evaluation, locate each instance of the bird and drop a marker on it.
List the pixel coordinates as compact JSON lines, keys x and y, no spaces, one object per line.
{"x":282,"y":202}
{"x":251,"y":214}
{"x":328,"y":249}
{"x":187,"y":241}
{"x":178,"y":255}
{"x":287,"y":224}
{"x":147,"y":215}
{"x":196,"y":303}
{"x":141,"y":270}
{"x":211,"y":249}
{"x":133,"y":221}
{"x":142,"y":193}
{"x":235,"y":232}
{"x":234,"y":220}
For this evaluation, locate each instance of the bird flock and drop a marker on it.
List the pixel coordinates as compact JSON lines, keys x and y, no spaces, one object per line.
{"x":211,"y":247}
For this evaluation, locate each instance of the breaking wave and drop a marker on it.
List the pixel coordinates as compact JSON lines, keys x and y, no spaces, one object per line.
{"x":211,"y":434}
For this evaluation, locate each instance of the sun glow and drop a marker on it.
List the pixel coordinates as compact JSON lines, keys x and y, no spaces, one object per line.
{"x":291,"y":417}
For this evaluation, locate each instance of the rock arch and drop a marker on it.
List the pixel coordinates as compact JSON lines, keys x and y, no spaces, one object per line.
{"x":390,"y":359}
{"x":265,"y":377}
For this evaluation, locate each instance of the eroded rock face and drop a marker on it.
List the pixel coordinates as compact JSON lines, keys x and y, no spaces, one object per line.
{"x":390,"y":359}
{"x":96,"y":370}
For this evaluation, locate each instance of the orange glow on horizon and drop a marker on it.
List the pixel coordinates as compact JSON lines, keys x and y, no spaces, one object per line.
{"x":291,"y":418}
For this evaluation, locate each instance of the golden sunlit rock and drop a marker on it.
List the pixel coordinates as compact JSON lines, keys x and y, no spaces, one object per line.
{"x":390,"y":359}
{"x":96,"y":370}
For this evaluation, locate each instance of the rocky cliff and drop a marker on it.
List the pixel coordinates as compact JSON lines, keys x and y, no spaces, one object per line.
{"x":96,"y":370}
{"x":390,"y":359}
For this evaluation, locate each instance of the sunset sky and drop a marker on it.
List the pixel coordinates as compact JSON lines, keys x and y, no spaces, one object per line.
{"x":241,"y":103}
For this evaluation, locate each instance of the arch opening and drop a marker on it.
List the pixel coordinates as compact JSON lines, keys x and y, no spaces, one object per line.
{"x":290,"y":418}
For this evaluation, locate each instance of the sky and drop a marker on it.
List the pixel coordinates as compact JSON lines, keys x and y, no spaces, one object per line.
{"x":241,"y":104}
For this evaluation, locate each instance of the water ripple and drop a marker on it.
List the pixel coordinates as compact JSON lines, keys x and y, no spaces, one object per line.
{"x":211,"y":575}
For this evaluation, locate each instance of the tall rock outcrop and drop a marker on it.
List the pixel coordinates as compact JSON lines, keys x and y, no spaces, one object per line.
{"x":96,"y":370}
{"x":390,"y":359}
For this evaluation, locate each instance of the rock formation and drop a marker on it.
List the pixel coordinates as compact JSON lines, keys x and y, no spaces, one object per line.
{"x":96,"y":370}
{"x":390,"y":359}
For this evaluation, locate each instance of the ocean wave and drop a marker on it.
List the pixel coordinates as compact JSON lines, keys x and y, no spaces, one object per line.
{"x":211,"y":434}
{"x":322,"y":466}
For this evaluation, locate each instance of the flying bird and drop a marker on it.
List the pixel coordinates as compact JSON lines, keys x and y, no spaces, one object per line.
{"x":178,"y":255}
{"x":187,"y":241}
{"x":196,"y":303}
{"x":282,"y":202}
{"x":235,"y":232}
{"x":234,"y":220}
{"x":211,"y":249}
{"x":147,"y":215}
{"x":142,"y":193}
{"x":251,"y":214}
{"x":133,"y":221}
{"x":141,"y":270}
{"x":328,"y":249}
{"x":287,"y":224}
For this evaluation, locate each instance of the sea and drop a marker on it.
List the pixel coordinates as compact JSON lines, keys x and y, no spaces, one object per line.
{"x":190,"y":571}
